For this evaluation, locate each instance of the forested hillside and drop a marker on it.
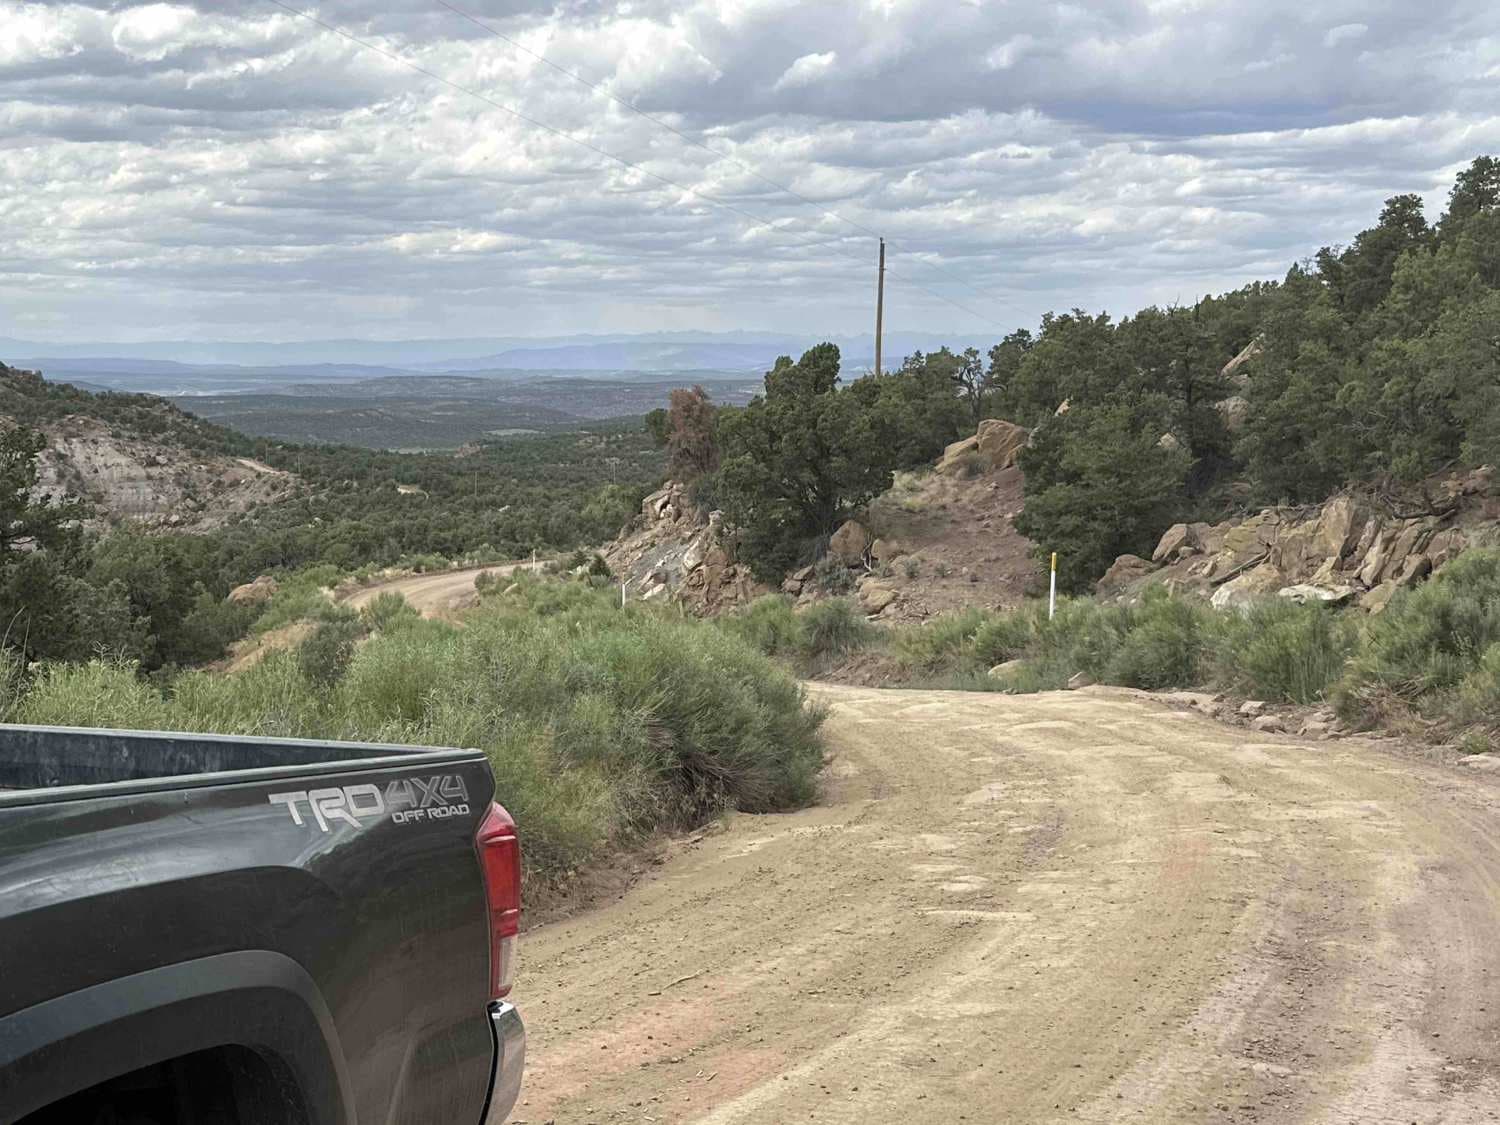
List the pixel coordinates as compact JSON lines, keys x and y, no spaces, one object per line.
{"x":1375,"y":362}
{"x":77,"y":579}
{"x":1378,"y":361}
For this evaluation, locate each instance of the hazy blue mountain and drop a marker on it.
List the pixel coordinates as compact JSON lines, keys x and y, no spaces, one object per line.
{"x":619,"y":353}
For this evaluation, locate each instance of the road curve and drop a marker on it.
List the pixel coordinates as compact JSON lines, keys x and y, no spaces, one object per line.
{"x":434,"y":594}
{"x":1063,"y":907}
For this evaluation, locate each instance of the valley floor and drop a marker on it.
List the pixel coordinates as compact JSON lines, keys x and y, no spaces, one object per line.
{"x":1077,"y":906}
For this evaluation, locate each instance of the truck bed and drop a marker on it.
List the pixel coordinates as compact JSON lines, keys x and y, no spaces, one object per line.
{"x":319,"y":904}
{"x":51,"y":758}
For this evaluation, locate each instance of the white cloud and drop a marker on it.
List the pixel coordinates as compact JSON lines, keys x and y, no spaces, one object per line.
{"x":1344,"y":33}
{"x":1008,"y":53}
{"x":807,"y":70}
{"x":207,"y":168}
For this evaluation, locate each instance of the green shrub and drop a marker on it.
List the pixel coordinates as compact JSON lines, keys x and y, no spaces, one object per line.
{"x":100,"y":693}
{"x":1162,"y":644}
{"x":768,"y":625}
{"x":1005,"y":635}
{"x":390,"y":610}
{"x":1426,"y":643}
{"x":823,"y":629}
{"x":1282,"y":651}
{"x":273,"y":698}
{"x":944,"y":641}
{"x":211,"y":626}
{"x":325,"y":654}
{"x":600,"y":723}
{"x":832,"y":576}
{"x":423,"y":563}
{"x":304,"y":596}
{"x":1082,"y":637}
{"x":832,"y":628}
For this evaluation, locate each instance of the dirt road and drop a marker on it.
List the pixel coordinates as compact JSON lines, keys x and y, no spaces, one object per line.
{"x":1068,"y":907}
{"x":434,"y":594}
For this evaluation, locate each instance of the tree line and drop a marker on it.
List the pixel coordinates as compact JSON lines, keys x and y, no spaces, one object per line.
{"x":1375,"y":360}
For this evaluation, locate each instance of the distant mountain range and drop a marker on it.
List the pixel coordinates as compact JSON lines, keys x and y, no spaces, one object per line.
{"x":620,"y":355}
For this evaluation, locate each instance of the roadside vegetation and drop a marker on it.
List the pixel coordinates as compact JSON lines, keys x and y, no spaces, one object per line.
{"x":1428,"y":666}
{"x":603,"y":724}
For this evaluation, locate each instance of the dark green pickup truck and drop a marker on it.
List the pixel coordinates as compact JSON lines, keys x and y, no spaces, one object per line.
{"x":249,"y":931}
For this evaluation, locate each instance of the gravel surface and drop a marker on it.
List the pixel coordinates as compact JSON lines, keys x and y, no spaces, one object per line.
{"x":1064,"y":907}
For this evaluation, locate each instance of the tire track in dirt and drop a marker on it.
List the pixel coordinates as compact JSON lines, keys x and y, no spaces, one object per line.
{"x":1078,"y":906}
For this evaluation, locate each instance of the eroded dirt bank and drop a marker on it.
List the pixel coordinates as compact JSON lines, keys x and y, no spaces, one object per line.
{"x":1079,"y":907}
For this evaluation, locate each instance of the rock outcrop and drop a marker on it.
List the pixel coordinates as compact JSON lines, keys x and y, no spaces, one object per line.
{"x":263,"y":589}
{"x":1234,"y":370}
{"x":1353,"y":548}
{"x":131,"y":479}
{"x":850,"y":544}
{"x":675,"y":553}
{"x":1236,"y":408}
{"x":1001,"y":442}
{"x":996,"y":440}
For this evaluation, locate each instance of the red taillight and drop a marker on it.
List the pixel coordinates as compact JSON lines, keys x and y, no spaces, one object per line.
{"x":500,"y":859}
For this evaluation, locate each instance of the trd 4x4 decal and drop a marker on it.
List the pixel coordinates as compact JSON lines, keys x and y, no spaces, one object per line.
{"x":405,"y":800}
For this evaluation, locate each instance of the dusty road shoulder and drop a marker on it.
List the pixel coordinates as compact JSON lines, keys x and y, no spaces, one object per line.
{"x":1046,"y":908}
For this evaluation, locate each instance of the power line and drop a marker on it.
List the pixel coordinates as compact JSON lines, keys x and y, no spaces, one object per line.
{"x":698,"y":142}
{"x":934,"y":293}
{"x":401,"y":60}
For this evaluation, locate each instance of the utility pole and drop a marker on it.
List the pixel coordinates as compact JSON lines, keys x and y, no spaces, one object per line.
{"x":879,"y":306}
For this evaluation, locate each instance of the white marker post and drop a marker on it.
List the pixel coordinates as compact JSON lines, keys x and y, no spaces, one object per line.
{"x":1052,"y":592}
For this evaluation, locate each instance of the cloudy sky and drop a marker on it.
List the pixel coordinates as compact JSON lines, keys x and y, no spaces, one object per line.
{"x":231,"y":169}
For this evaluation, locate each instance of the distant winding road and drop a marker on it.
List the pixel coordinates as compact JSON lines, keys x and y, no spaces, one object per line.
{"x":434,"y":594}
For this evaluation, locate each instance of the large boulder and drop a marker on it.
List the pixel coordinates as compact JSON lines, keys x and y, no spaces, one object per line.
{"x":1297,"y":550}
{"x":1001,"y":441}
{"x":1307,"y":594}
{"x":1251,"y":537}
{"x":1445,"y":546}
{"x":953,"y":456}
{"x":1374,"y":601}
{"x":874,"y":597}
{"x":1339,"y":527}
{"x":1374,"y":559}
{"x":1254,"y":585}
{"x":695,"y":552}
{"x":1122,"y":572}
{"x":1233,"y":410}
{"x":263,"y":589}
{"x":1413,"y":536}
{"x":1413,"y":570}
{"x":1178,"y":536}
{"x":1234,"y":370}
{"x":850,"y":543}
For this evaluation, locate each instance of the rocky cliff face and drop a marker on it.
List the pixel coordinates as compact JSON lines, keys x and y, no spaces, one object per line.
{"x":134,"y":480}
{"x":939,"y":540}
{"x":1357,"y":548}
{"x":676,"y":553}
